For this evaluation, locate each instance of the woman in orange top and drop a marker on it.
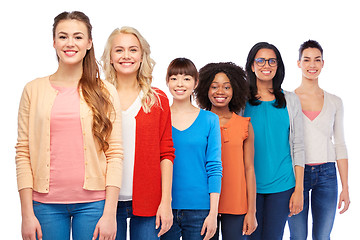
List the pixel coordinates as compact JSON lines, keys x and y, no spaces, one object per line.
{"x":223,"y":90}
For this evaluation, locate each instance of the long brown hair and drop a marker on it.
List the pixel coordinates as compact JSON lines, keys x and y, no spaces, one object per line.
{"x":91,"y":86}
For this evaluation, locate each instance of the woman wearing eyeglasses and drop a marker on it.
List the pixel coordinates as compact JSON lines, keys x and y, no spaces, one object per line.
{"x":279,"y":145}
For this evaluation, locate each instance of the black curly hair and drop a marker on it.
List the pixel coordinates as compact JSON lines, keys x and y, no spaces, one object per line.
{"x":237,"y":79}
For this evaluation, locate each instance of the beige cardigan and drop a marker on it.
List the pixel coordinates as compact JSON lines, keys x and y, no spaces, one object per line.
{"x":33,"y":144}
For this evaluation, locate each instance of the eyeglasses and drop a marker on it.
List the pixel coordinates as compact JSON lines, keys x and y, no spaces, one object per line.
{"x":262,"y":61}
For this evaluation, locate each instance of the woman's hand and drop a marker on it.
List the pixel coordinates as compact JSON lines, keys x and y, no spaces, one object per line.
{"x":164,"y":218}
{"x":296,"y":202}
{"x":30,"y":227}
{"x":210,"y":225}
{"x":344,"y":197}
{"x":250,"y":223}
{"x":106,"y":227}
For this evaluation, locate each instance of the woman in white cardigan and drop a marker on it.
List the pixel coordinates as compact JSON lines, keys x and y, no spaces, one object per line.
{"x":324,"y":146}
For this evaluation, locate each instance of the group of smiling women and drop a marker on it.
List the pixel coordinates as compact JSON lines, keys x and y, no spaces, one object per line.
{"x":95,"y":155}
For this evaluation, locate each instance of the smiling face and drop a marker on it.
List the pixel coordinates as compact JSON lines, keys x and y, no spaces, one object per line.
{"x":266,"y":72}
{"x":181,"y":86}
{"x":311,"y":63}
{"x":71,"y":41}
{"x":220,"y":91}
{"x":126,"y":54}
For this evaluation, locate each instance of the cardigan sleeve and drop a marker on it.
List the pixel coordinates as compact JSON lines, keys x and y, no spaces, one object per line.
{"x":339,"y":139}
{"x":213,"y":155}
{"x":167,"y":150}
{"x":22,"y":159}
{"x":298,"y":146}
{"x":114,"y":154}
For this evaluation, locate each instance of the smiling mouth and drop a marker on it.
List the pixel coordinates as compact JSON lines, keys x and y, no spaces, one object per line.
{"x":312,"y":71}
{"x":220,"y":99}
{"x":126,"y":63}
{"x":266,"y":72}
{"x":70,"y":53}
{"x":182,"y":91}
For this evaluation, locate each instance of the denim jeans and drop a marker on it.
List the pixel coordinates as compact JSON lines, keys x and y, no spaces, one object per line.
{"x":272,"y":212}
{"x":231,"y":227}
{"x":321,"y":181}
{"x":56,"y":220}
{"x":141,"y":228}
{"x":187,"y":224}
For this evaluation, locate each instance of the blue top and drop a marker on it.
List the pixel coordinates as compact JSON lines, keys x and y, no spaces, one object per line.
{"x":272,"y":160}
{"x":197,"y":165}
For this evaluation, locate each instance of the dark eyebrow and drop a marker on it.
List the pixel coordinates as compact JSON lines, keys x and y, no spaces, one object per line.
{"x":315,"y":57}
{"x":76,"y":33}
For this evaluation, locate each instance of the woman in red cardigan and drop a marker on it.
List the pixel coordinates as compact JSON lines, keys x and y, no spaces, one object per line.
{"x":145,"y":196}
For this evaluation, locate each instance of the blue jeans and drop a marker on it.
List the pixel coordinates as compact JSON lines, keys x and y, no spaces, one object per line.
{"x":187,"y":224}
{"x":231,"y":227}
{"x":141,"y":228}
{"x":272,"y":212}
{"x":56,"y":220}
{"x":321,"y":180}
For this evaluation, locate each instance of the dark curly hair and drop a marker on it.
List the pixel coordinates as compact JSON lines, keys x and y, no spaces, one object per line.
{"x":280,"y":101}
{"x":237,"y":79}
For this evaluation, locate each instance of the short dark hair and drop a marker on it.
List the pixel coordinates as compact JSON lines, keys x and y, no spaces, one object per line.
{"x":237,"y":79}
{"x":182,"y":66}
{"x":310,"y":44}
{"x":280,"y":101}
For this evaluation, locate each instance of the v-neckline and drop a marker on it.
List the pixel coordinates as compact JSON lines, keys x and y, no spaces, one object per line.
{"x":190,"y":124}
{"x":321,"y":112}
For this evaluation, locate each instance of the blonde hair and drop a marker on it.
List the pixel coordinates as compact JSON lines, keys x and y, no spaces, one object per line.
{"x":144,"y":75}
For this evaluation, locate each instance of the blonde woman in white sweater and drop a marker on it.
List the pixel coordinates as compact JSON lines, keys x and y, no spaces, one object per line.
{"x":324,"y":147}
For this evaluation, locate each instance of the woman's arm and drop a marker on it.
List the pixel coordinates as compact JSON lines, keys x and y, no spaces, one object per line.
{"x":341,"y":155}
{"x":297,"y":198}
{"x":250,"y":223}
{"x":106,"y":226}
{"x":344,"y":195}
{"x":210,"y":222}
{"x":30,"y":226}
{"x":164,"y":215}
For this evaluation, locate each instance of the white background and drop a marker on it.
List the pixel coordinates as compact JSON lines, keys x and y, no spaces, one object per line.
{"x":204,"y":31}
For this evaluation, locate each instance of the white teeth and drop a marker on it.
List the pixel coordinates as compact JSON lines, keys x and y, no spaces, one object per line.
{"x":126,"y":64}
{"x":266,"y":72}
{"x":312,"y":71}
{"x":70,"y":53}
{"x":220,"y":99}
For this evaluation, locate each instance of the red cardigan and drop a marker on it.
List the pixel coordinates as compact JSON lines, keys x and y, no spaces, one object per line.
{"x":153,"y":144}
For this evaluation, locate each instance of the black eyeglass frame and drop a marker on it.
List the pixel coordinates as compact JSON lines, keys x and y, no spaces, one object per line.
{"x":271,"y":64}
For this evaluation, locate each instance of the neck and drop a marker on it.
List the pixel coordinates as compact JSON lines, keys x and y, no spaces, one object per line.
{"x":68,"y":74}
{"x":264,"y":86}
{"x":309,"y":85}
{"x":221,"y":111}
{"x":127,"y":82}
{"x":182,"y":105}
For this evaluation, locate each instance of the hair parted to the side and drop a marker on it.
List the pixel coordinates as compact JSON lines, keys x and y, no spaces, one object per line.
{"x":237,"y":79}
{"x":280,"y":101}
{"x":144,"y":76}
{"x":310,"y":44}
{"x":93,"y":90}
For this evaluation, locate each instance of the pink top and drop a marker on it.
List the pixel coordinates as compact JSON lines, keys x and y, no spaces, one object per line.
{"x":67,"y":165}
{"x":311,"y":114}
